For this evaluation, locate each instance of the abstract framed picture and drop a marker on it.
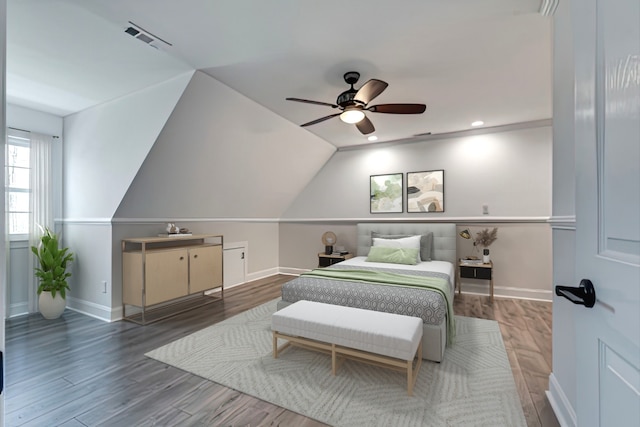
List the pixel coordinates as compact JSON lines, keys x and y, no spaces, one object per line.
{"x":425,"y":191}
{"x":386,"y":193}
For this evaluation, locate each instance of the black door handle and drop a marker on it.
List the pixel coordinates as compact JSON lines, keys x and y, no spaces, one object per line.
{"x":584,"y":294}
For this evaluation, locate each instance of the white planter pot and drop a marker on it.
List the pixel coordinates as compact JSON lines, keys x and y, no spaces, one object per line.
{"x":51,"y":308}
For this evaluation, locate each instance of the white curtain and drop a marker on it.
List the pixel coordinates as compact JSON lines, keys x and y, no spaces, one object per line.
{"x":41,"y":202}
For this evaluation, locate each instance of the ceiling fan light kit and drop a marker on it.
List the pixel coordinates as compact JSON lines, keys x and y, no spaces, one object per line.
{"x":352,"y":116}
{"x":354,"y":103}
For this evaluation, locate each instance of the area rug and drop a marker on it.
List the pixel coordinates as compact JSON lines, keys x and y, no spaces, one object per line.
{"x":473,"y":386}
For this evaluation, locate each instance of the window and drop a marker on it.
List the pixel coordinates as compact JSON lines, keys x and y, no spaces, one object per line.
{"x":17,"y":183}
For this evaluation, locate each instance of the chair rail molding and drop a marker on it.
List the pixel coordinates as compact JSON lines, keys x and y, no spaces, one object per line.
{"x":567,"y":222}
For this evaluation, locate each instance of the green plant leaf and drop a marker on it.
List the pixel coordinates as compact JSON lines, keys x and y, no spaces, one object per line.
{"x":52,"y":271}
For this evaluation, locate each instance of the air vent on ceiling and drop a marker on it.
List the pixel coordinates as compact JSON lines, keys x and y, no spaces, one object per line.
{"x":146,"y":36}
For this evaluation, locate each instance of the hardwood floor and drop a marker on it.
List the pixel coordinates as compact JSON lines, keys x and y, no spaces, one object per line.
{"x":526,"y":332}
{"x":79,"y":371}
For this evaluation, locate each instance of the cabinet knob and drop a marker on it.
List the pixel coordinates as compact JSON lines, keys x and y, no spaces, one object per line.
{"x":181,"y":258}
{"x":195,"y":256}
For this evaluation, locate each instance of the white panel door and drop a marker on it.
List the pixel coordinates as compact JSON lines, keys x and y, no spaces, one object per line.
{"x":607,"y":132}
{"x":234,"y":265}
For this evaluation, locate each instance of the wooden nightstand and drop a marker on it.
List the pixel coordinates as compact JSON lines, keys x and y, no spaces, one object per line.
{"x":475,"y":271}
{"x":325,"y":260}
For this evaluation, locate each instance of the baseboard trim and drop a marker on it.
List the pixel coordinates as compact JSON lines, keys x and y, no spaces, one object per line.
{"x":108,"y":314}
{"x":508,"y":292}
{"x":292,"y":271}
{"x":19,"y":309}
{"x":250,"y":277}
{"x":97,"y":311}
{"x":561,"y":406}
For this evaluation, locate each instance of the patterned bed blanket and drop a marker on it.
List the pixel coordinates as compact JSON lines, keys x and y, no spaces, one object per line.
{"x":423,"y":294}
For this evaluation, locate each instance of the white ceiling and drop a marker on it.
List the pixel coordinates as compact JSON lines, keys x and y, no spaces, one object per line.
{"x":466,"y":60}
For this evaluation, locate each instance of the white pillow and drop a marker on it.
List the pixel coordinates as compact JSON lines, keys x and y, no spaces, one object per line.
{"x":411,"y":242}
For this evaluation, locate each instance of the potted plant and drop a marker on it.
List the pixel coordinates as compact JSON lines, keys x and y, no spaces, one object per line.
{"x":52,"y":274}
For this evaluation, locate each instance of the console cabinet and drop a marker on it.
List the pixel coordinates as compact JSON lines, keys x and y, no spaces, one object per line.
{"x":160,"y":270}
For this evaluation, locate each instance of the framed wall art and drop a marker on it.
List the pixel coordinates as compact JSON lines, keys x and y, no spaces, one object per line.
{"x":425,"y":191}
{"x":386,"y":193}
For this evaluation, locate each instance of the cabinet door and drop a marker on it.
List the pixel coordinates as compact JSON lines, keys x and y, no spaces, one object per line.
{"x":167,"y":275}
{"x":205,"y":269}
{"x":483,"y":273}
{"x":467,"y":272}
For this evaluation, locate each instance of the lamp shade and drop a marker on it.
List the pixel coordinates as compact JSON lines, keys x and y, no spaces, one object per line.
{"x":329,"y":238}
{"x":465,"y":234}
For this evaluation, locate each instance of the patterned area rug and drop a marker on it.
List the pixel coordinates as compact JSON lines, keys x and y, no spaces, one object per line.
{"x":473,"y":386}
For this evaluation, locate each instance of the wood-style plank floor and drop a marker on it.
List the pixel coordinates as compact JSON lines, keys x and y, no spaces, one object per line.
{"x":78,"y":371}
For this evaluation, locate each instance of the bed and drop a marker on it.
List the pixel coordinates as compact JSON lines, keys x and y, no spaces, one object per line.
{"x":438,"y":242}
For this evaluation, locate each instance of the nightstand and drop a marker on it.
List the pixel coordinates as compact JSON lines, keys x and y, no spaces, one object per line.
{"x":475,"y":271}
{"x":325,"y":260}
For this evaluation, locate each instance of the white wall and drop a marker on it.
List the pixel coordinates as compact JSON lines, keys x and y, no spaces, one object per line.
{"x":562,"y":381}
{"x":3,"y":271}
{"x":105,"y":146}
{"x":210,"y":162}
{"x":33,"y":120}
{"x":508,"y":171}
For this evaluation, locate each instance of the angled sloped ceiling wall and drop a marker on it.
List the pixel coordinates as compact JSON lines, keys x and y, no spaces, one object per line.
{"x":223,"y":156}
{"x":105,"y":146}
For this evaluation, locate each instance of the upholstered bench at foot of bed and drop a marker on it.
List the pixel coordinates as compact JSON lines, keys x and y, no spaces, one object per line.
{"x":434,"y":337}
{"x":382,"y":339}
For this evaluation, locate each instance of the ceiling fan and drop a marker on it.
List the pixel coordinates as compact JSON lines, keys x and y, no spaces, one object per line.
{"x":353,"y":103}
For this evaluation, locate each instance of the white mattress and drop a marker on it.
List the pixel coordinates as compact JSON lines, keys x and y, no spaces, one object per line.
{"x":435,"y":266}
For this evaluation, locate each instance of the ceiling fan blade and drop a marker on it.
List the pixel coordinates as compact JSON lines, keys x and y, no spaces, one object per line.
{"x":365,"y":126}
{"x":308,"y":101}
{"x":370,"y":90}
{"x":398,"y":108}
{"x":321,"y":119}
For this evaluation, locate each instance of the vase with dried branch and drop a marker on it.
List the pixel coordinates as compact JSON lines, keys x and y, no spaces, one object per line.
{"x":485,"y":238}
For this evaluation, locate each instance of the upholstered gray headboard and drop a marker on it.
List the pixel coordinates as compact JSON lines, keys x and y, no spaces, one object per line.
{"x":444,"y":236}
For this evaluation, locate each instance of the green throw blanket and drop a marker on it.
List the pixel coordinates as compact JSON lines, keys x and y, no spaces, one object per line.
{"x":433,"y":283}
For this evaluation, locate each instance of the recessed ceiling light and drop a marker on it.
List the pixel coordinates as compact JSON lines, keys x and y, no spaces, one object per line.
{"x":372,"y":138}
{"x":477,"y":123}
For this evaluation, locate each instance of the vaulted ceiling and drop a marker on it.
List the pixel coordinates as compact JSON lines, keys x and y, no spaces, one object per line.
{"x":467,"y":60}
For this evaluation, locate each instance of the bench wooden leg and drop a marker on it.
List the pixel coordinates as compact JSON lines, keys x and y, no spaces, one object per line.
{"x":275,"y":345}
{"x":412,"y":373}
{"x":277,"y":350}
{"x":334,"y":361}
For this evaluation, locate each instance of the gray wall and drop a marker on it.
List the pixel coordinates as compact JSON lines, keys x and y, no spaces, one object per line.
{"x":510,"y":171}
